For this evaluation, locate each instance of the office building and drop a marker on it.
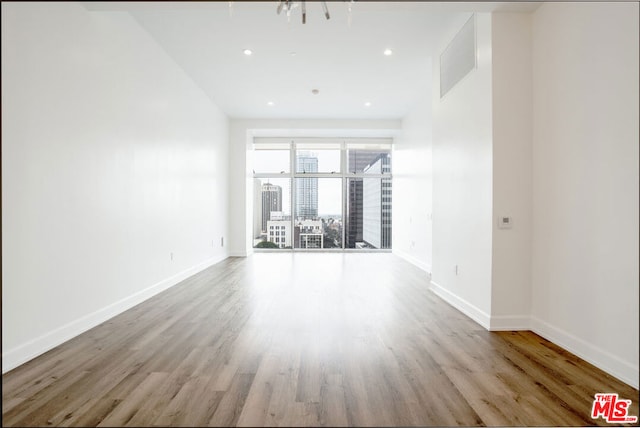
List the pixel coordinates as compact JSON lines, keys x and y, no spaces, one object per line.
{"x":258,"y":215}
{"x":307,"y":188}
{"x":376,"y":205}
{"x":309,"y":234}
{"x":271,"y":201}
{"x":279,"y":232}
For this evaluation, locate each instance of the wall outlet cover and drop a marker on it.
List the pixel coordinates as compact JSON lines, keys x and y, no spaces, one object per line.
{"x":505,"y":222}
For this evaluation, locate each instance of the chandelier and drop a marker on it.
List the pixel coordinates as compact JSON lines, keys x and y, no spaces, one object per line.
{"x":288,"y":6}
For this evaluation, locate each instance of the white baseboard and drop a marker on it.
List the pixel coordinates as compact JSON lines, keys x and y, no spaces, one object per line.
{"x":413,"y":260}
{"x":622,"y":370}
{"x":238,"y":254}
{"x":462,"y":305}
{"x":600,"y":358}
{"x":509,"y":323}
{"x":14,"y":357}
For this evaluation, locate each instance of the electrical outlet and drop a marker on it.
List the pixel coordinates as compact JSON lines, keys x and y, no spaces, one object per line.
{"x":222,"y":241}
{"x":505,"y":222}
{"x":171,"y":255}
{"x":456,"y":270}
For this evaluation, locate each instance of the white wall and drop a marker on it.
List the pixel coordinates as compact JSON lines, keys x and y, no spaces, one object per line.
{"x":112,"y":159}
{"x":241,"y":133}
{"x":585,"y":181}
{"x":462,"y":182}
{"x":412,"y":181}
{"x":512,"y":153}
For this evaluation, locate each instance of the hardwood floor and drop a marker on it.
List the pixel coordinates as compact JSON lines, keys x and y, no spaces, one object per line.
{"x":303,"y":339}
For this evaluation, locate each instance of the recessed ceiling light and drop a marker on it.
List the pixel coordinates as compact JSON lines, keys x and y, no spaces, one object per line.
{"x":247,"y":52}
{"x":270,"y":103}
{"x":388,"y":52}
{"x":367,"y":104}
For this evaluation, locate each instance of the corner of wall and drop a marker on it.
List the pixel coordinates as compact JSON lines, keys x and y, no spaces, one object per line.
{"x":426,"y":267}
{"x":512,"y":105}
{"x":510,"y":323}
{"x":470,"y":310}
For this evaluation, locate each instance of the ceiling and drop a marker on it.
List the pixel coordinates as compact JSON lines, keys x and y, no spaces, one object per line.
{"x":344,"y":62}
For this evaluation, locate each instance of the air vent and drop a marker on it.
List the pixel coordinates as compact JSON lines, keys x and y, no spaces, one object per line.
{"x":459,"y":58}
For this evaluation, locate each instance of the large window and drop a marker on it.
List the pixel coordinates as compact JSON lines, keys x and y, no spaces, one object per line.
{"x":322,"y":194}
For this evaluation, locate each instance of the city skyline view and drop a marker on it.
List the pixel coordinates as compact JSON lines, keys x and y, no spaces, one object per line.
{"x":298,"y":211}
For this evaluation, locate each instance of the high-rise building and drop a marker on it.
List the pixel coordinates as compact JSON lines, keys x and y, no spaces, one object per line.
{"x":271,"y":201}
{"x":257,"y":208}
{"x":376,"y":204}
{"x":354,"y":213}
{"x":358,"y":159}
{"x":357,"y":162}
{"x":306,"y":188}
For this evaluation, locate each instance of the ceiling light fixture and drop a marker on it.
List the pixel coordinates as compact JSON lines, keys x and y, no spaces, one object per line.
{"x":270,"y":103}
{"x":247,"y":52}
{"x":367,"y":104}
{"x":288,"y":6}
{"x":388,"y":52}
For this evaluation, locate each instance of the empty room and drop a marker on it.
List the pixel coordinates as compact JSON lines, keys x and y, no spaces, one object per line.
{"x":341,"y":213}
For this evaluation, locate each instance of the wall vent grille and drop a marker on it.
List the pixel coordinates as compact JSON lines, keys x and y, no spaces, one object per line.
{"x":459,"y":57}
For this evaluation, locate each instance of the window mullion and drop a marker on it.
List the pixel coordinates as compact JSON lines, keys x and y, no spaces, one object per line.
{"x":343,"y":170}
{"x":294,"y":196}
